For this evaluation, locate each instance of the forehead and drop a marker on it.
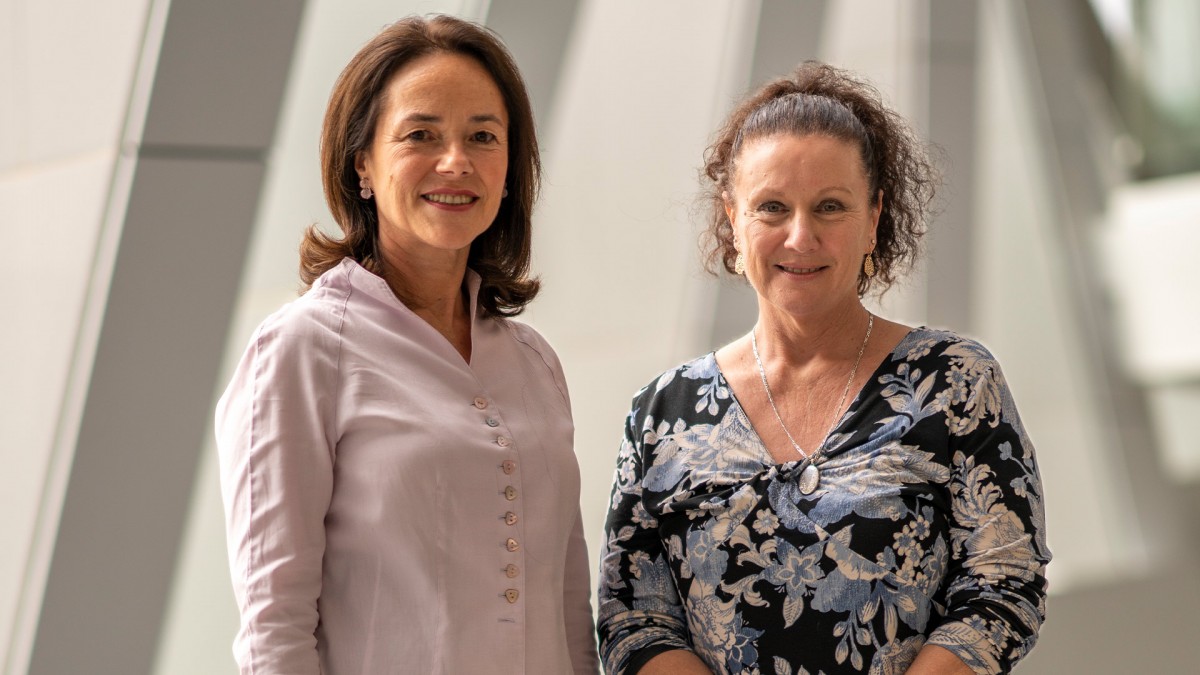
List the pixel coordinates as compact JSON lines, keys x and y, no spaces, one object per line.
{"x":443,"y":84}
{"x":787,"y":160}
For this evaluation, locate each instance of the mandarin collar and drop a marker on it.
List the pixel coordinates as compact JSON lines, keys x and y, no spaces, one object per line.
{"x":375,"y":285}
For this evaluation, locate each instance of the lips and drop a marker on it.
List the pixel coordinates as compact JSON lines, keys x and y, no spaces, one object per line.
{"x":800,"y":270}
{"x":450,"y":199}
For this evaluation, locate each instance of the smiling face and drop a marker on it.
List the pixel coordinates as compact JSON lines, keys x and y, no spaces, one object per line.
{"x":439,"y":157}
{"x":803,"y":218}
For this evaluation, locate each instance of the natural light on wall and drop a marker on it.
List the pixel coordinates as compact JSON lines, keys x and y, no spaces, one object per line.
{"x":638,"y":87}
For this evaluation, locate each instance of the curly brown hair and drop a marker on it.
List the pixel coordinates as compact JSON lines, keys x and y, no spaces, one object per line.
{"x":820,"y":99}
{"x":501,"y":254}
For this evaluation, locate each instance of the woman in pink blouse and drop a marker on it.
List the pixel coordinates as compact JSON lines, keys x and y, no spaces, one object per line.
{"x":396,"y":453}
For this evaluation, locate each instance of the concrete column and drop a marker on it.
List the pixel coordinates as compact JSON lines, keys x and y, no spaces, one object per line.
{"x":193,"y":158}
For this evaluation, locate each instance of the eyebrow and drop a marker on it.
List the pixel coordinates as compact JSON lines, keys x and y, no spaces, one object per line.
{"x":433,"y":119}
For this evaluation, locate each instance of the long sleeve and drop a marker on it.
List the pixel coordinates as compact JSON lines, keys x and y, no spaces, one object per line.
{"x":274,"y":431}
{"x":996,"y":586}
{"x":577,"y":605}
{"x":640,"y":608}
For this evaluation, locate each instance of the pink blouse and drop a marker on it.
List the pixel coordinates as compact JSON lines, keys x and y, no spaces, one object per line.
{"x":391,"y":508}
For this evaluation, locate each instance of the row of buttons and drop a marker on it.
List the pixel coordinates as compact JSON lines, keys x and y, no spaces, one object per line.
{"x":509,"y":467}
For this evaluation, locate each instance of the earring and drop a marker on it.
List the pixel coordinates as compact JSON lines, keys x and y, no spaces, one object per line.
{"x":868,"y":266}
{"x":505,"y":193}
{"x":365,"y":192}
{"x":739,"y":264}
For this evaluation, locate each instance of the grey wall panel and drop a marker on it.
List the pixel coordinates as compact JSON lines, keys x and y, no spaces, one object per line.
{"x":536,"y":32}
{"x":952,"y":118}
{"x":209,"y":120}
{"x":221,"y":73}
{"x":789,"y":32}
{"x":146,"y":413}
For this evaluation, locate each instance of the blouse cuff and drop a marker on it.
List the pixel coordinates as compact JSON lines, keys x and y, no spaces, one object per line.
{"x":970,"y":645}
{"x":626,"y":654}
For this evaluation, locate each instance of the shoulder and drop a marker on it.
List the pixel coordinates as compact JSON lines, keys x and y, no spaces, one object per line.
{"x":532,"y":343}
{"x":965,"y":378}
{"x":314,"y":320}
{"x":537,"y":350}
{"x":939,"y":347}
{"x":527,"y":336}
{"x":683,"y":382}
{"x":293,"y":354}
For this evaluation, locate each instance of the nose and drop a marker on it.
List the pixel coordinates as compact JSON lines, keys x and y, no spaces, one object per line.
{"x":454,"y":160}
{"x":802,"y":235}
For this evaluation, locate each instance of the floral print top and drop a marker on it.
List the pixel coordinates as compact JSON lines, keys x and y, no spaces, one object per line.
{"x":927,"y":526}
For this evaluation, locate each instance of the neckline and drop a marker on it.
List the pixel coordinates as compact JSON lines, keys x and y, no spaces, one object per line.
{"x":377,"y":287}
{"x":765,"y":453}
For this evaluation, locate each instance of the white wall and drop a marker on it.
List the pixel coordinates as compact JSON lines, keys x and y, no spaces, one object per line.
{"x":624,"y":297}
{"x":66,"y":78}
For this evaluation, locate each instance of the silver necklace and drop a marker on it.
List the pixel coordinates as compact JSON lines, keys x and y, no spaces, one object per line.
{"x":811,"y":476}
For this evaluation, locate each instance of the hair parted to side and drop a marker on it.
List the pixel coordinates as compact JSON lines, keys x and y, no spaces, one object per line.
{"x":820,"y":99}
{"x":501,"y":254}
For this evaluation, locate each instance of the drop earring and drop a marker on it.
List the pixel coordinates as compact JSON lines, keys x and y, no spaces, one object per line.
{"x":739,"y":264}
{"x":365,"y":192}
{"x":868,"y":266}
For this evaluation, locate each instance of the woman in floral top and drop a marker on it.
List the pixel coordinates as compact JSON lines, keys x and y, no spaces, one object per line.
{"x":764,"y":519}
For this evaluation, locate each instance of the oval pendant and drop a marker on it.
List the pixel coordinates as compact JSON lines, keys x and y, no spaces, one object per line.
{"x":809,"y":479}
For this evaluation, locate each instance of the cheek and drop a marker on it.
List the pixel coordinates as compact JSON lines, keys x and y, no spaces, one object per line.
{"x":408,"y":166}
{"x":499,"y":167}
{"x":757,"y":237}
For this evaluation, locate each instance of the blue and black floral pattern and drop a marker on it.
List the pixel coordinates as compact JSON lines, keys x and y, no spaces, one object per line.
{"x":927,"y":526}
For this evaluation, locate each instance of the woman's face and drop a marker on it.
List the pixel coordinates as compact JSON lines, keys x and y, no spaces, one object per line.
{"x":439,"y":157}
{"x":803,"y":218}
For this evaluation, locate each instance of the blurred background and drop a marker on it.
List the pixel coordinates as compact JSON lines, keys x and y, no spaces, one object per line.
{"x":158,"y":161}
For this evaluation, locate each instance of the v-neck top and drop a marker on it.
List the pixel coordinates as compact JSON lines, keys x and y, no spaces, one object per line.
{"x":807,"y":457}
{"x":926,"y":527}
{"x":393,"y":508}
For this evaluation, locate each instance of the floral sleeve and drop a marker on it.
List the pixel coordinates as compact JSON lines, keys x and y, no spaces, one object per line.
{"x":994,"y":595}
{"x":639,"y":607}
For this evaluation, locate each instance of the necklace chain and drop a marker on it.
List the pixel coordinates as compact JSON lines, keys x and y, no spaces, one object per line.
{"x":841,"y":401}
